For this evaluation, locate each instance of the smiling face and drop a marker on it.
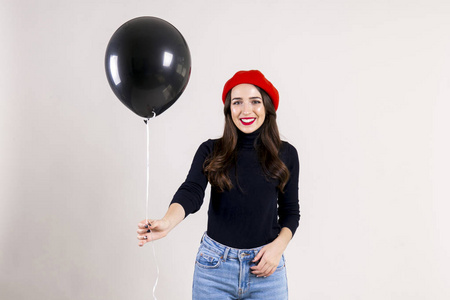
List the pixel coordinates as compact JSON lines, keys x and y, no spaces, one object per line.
{"x":247,"y":108}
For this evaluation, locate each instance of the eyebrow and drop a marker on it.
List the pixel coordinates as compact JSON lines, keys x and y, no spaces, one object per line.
{"x":251,"y":98}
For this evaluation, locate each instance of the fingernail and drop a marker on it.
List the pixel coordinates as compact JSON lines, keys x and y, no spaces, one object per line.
{"x":146,"y":226}
{"x":148,"y":230}
{"x":145,"y":237}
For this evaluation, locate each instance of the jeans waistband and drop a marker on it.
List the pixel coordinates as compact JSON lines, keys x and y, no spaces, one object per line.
{"x":229,"y":252}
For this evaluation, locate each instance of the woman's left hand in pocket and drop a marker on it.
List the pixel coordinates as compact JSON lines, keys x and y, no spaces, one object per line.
{"x":269,"y":258}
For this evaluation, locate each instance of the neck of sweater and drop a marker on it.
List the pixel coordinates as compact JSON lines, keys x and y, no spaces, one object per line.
{"x":247,"y":140}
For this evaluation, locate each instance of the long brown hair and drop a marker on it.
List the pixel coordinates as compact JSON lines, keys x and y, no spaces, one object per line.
{"x":268,"y":144}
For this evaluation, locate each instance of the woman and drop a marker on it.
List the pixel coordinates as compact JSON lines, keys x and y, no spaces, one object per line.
{"x":254,"y":208}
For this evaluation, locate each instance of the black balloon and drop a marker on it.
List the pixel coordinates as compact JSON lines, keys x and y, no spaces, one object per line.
{"x":148,"y":65}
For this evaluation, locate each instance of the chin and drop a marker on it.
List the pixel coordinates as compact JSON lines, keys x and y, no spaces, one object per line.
{"x":247,"y":129}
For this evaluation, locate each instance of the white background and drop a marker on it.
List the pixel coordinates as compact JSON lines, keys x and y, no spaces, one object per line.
{"x":365,"y":91}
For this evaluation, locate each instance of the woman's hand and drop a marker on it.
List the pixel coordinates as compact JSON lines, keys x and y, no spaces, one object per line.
{"x":152,"y":230}
{"x":270,"y":255}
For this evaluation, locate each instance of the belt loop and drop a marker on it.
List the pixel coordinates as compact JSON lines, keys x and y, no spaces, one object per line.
{"x":225,"y":254}
{"x":203,"y":237}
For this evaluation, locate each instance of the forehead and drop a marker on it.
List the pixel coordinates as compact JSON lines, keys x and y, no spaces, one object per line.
{"x":245,"y":90}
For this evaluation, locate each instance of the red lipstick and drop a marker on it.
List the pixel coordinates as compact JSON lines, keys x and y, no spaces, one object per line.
{"x":247,"y":121}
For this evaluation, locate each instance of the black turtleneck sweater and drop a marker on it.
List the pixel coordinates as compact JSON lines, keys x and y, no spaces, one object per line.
{"x":253,"y":212}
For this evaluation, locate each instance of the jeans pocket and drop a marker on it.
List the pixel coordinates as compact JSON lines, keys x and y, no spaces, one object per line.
{"x":282,"y":263}
{"x":207,"y":258}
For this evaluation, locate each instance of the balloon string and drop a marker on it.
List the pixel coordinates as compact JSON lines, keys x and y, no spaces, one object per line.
{"x":157,"y":268}
{"x":148,"y":168}
{"x":146,"y":210}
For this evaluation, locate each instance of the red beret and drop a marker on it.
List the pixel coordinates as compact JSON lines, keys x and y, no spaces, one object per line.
{"x":254,"y":77}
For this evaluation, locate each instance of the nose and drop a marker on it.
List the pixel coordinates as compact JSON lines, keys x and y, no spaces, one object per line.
{"x":247,"y":108}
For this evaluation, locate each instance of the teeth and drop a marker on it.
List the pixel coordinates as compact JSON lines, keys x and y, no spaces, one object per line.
{"x":248,"y":120}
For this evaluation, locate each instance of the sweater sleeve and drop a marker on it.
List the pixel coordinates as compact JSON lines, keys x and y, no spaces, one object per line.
{"x":288,"y":203}
{"x":192,"y":191}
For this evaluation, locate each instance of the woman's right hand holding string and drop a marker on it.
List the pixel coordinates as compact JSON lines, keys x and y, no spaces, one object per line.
{"x":151,"y":230}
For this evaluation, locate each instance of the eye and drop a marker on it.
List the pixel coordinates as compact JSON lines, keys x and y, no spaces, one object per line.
{"x":256,"y":102}
{"x":237,"y":102}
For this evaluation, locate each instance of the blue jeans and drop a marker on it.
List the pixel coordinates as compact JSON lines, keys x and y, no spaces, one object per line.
{"x":223,"y":273}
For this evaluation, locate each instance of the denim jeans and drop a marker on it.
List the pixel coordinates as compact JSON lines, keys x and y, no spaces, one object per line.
{"x":223,"y":273}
